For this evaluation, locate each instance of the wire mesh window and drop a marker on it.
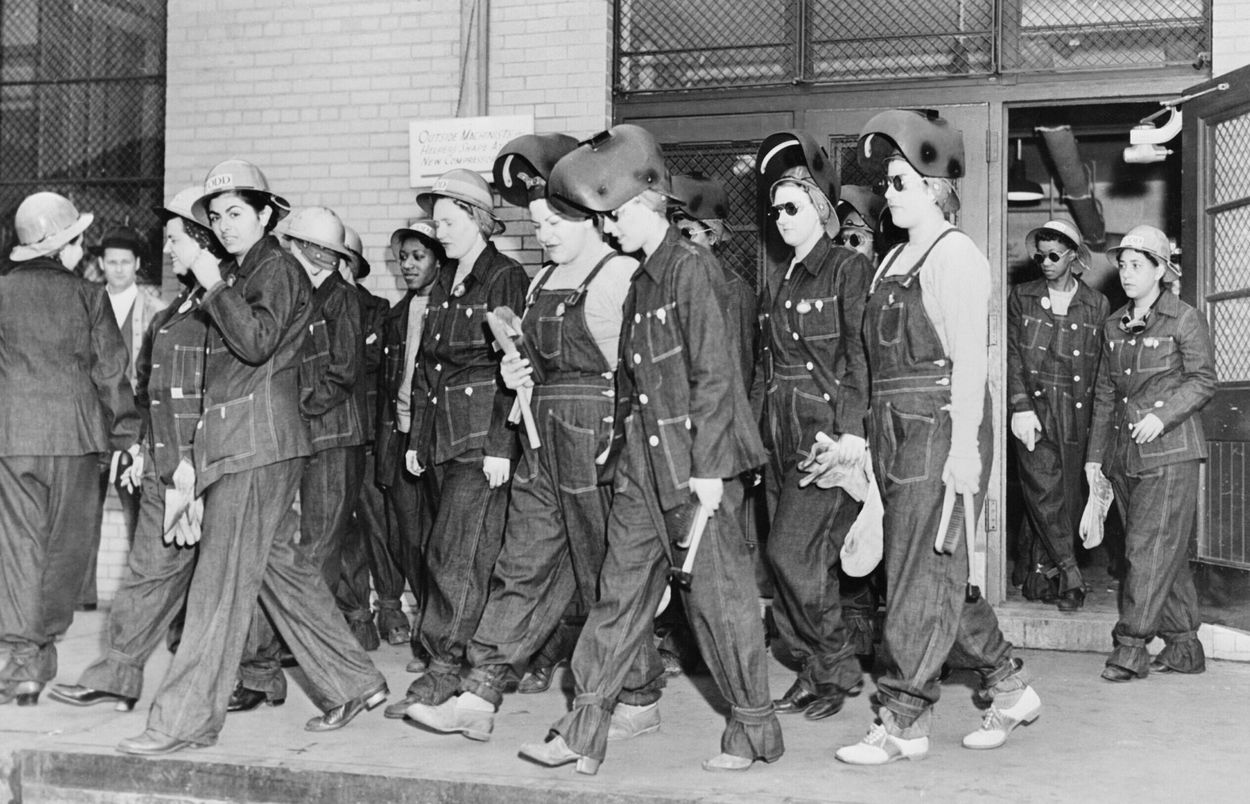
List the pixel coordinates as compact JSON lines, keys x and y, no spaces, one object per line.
{"x":82,"y":109}
{"x":733,"y":164}
{"x":665,"y":45}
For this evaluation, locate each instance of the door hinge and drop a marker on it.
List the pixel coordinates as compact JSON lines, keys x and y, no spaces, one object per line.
{"x":991,"y":514}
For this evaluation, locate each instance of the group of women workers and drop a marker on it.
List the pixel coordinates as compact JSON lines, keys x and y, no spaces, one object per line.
{"x":615,"y":440}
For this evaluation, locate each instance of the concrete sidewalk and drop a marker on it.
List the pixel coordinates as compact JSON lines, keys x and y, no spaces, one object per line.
{"x":1164,"y":738}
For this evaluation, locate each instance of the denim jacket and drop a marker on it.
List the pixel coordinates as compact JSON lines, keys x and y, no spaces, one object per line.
{"x":679,"y":371}
{"x":1168,"y":369}
{"x":63,"y":383}
{"x":373,"y":312}
{"x":260,"y":316}
{"x":1042,"y":346}
{"x":170,"y":378}
{"x":330,"y":367}
{"x":813,"y":364}
{"x":459,"y":403}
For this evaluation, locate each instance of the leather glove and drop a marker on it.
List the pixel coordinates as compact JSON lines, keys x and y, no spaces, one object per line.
{"x":1025,"y":426}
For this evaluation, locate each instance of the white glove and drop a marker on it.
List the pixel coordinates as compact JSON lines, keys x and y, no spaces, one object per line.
{"x":497,"y":470}
{"x":132,"y":478}
{"x":516,"y":371}
{"x":962,"y":474}
{"x":184,"y":477}
{"x":411,"y":463}
{"x":1096,"y":507}
{"x":709,"y":490}
{"x":1025,"y":426}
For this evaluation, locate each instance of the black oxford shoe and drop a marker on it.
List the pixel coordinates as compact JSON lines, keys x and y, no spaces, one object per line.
{"x":341,"y":715}
{"x":78,"y":695}
{"x":1119,"y":675}
{"x":1071,"y":600}
{"x":245,"y":700}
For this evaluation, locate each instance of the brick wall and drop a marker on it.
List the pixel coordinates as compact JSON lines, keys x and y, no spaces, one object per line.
{"x":1230,"y":40}
{"x":319,"y":93}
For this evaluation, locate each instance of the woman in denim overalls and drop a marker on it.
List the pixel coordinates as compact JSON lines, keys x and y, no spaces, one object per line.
{"x":925,"y":328}
{"x":558,"y":512}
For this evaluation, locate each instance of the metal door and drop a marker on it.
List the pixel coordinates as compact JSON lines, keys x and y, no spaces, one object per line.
{"x":1215,"y":241}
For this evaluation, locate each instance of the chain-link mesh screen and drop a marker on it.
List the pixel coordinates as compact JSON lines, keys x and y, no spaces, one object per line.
{"x":82,"y":111}
{"x":899,"y":39}
{"x":1230,"y":268}
{"x":1069,"y":35}
{"x":696,"y":44}
{"x":733,"y":164}
{"x":1230,"y":168}
{"x":1230,"y":338}
{"x":689,"y":44}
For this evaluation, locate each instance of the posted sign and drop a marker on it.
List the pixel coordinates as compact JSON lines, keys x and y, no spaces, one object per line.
{"x":437,"y":146}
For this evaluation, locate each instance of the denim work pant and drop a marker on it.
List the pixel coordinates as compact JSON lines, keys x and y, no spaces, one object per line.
{"x":248,"y":550}
{"x":463,"y":547}
{"x":616,"y":651}
{"x":804,"y":545}
{"x":152,"y":594}
{"x":46,"y":504}
{"x":928,"y":617}
{"x":411,"y":505}
{"x":370,"y":529}
{"x":554,"y":541}
{"x":1158,"y":595}
{"x":1050,"y":483}
{"x":327,"y":491}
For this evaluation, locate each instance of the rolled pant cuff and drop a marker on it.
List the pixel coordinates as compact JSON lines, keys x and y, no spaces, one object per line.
{"x":270,"y":681}
{"x":1183,"y":652}
{"x":486,"y":682}
{"x":1130,"y":654}
{"x":905,"y":715}
{"x":1007,"y":676}
{"x":30,"y":662}
{"x":116,"y":673}
{"x":585,"y":729}
{"x":753,"y":733}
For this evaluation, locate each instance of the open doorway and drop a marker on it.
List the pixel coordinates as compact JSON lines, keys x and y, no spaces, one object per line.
{"x":1056,"y":153}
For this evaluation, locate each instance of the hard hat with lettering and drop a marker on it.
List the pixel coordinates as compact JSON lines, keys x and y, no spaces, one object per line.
{"x":610,"y":168}
{"x":237,"y":174}
{"x":1147,"y":240}
{"x":46,"y":222}
{"x":523,"y":165}
{"x":462,"y":185}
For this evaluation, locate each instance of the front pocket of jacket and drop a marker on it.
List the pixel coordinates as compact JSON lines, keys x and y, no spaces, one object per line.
{"x":817,"y":319}
{"x":1177,"y":441}
{"x":1156,"y":354}
{"x":230,"y":430}
{"x":663,"y":336}
{"x":1038,"y":332}
{"x":468,"y":325}
{"x":188,"y":371}
{"x":912,"y":437}
{"x":468,"y":409}
{"x":675,"y":441}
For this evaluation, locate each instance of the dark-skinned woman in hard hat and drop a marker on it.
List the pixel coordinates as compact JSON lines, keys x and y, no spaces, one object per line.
{"x":926,"y":332}
{"x":682,"y":438}
{"x":557,"y":515}
{"x":251,"y":446}
{"x":169,"y":394}
{"x":459,"y":427}
{"x":66,"y":399}
{"x":1156,"y":374}
{"x":813,"y":367}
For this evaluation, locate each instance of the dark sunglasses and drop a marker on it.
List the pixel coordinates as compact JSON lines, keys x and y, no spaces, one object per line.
{"x":854,"y":239}
{"x":790,"y":208}
{"x":1134,"y":326}
{"x":881,"y":185}
{"x":1050,"y":256}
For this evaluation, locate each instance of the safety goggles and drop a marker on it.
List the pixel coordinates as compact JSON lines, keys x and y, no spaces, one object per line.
{"x":852,"y":239}
{"x":1049,"y":256}
{"x":898,"y":182}
{"x":789,"y":208}
{"x":1134,"y":326}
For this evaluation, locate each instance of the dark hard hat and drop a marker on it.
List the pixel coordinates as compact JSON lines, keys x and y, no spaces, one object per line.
{"x":793,"y":148}
{"x":523,"y":165}
{"x":703,"y":198}
{"x":857,"y":198}
{"x":932,"y":145}
{"x":609,"y":169}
